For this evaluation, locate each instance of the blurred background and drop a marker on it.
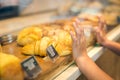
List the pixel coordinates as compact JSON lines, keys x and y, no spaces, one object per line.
{"x":14,"y":8}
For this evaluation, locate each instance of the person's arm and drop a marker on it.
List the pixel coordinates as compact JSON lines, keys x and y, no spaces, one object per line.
{"x":90,"y":69}
{"x":101,"y":38}
{"x":84,"y":63}
{"x":114,"y":46}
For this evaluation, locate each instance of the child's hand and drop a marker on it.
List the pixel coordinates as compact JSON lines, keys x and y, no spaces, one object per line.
{"x":79,"y":41}
{"x":100,"y":32}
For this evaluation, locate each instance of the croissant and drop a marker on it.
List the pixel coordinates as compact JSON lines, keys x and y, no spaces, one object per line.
{"x":29,"y":35}
{"x":59,"y":42}
{"x":63,"y":50}
{"x":43,"y":45}
{"x":62,"y":42}
{"x":65,"y":38}
{"x":37,"y":48}
{"x":29,"y":49}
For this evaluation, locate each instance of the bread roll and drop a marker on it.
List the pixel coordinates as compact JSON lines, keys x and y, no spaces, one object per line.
{"x":10,"y":68}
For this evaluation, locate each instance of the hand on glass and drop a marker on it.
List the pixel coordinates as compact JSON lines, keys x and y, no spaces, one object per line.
{"x":79,"y":41}
{"x":100,"y":32}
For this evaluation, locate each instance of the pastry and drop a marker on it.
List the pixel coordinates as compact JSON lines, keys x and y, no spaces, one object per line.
{"x":43,"y":45}
{"x":37,"y":48}
{"x":10,"y":68}
{"x":59,"y":42}
{"x":63,"y":50}
{"x":29,"y":35}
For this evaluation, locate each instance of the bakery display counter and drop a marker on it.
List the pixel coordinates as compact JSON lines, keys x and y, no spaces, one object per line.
{"x":64,"y":67}
{"x":22,"y":49}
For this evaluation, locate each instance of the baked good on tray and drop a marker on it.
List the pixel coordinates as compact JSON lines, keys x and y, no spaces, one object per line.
{"x":61,"y":42}
{"x":10,"y":68}
{"x":57,"y":34}
{"x":29,"y":35}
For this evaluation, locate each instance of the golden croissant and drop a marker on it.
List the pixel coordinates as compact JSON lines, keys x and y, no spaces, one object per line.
{"x":29,"y":35}
{"x":60,"y":43}
{"x":37,"y":48}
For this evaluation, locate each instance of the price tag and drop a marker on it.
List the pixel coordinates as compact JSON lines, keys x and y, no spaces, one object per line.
{"x":52,"y":53}
{"x":31,"y":67}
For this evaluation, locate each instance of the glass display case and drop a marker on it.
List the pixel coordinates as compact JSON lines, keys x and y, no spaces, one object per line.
{"x":51,"y":18}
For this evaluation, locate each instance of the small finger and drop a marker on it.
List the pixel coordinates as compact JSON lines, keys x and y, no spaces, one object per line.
{"x":81,"y":30}
{"x":72,"y":36}
{"x":76,"y":27}
{"x":102,"y":23}
{"x":80,"y":27}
